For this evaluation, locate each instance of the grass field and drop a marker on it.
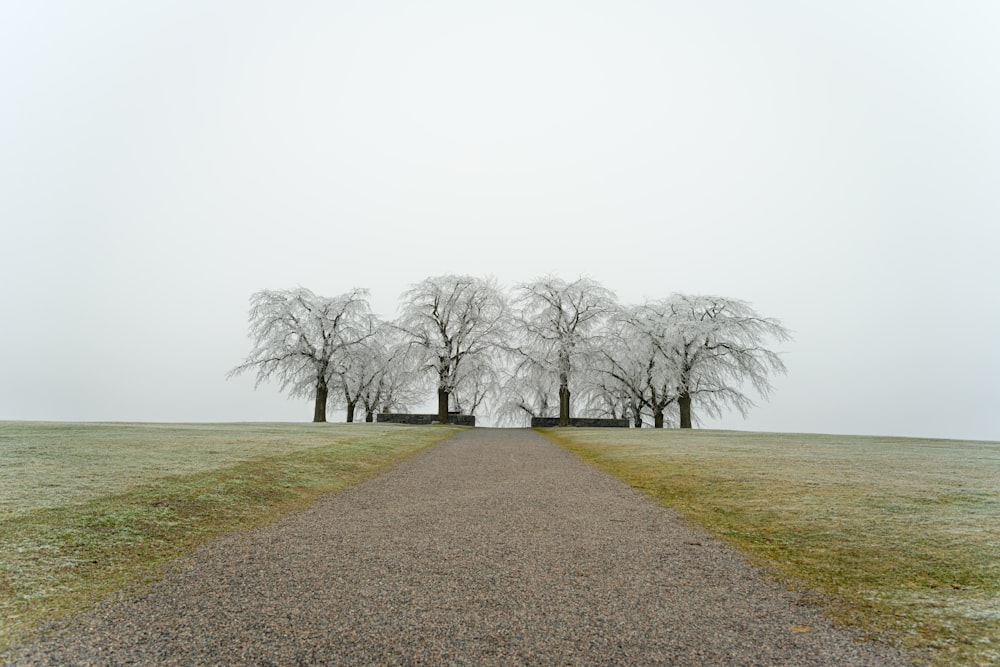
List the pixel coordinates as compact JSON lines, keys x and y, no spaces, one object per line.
{"x":899,"y":536}
{"x":88,"y":508}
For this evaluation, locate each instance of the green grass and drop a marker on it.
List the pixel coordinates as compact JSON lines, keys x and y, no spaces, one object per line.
{"x":898,"y":536}
{"x":86,"y":509}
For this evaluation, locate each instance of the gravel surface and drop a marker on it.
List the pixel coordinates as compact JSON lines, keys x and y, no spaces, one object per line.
{"x":493,"y":547}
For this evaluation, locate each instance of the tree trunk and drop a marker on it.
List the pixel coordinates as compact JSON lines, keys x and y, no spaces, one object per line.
{"x":350,"y":411}
{"x":443,"y":406}
{"x":684,"y":401}
{"x":319,"y":411}
{"x":636,"y":415}
{"x":658,"y":419}
{"x":369,"y":416}
{"x":564,"y":405}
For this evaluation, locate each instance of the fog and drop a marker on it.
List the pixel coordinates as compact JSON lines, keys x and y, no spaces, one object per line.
{"x":834,"y":164}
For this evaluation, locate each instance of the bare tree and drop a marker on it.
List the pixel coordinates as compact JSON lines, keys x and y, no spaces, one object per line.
{"x":556,"y":325}
{"x":298,"y":336}
{"x":712,"y":345}
{"x":453,"y":319}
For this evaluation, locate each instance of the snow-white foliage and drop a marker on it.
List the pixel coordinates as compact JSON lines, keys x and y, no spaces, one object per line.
{"x":526,"y":390}
{"x":358,"y":372}
{"x":477,"y":385}
{"x":706,"y":347}
{"x":300,"y":337}
{"x":457,"y":322}
{"x":622,"y":374}
{"x":556,"y":327}
{"x":396,"y":381}
{"x":649,"y":363}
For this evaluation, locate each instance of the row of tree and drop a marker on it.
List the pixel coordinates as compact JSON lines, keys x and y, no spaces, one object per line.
{"x":519,"y":355}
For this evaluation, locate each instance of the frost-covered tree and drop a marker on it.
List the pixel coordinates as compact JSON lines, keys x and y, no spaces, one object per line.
{"x":454,"y":320}
{"x":713,"y":346}
{"x":609,"y":398}
{"x":526,"y":390}
{"x":357,"y":370}
{"x":300,"y":336}
{"x":556,"y":326}
{"x":397,"y":380}
{"x":478,"y":383}
{"x":639,"y":358}
{"x":620,"y":374}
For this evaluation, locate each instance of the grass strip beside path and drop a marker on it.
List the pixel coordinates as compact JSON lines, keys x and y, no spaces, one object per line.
{"x":57,"y":559}
{"x":900,"y":536}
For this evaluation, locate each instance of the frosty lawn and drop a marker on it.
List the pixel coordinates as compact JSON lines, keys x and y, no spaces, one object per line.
{"x":87,"y":508}
{"x":904,"y":534}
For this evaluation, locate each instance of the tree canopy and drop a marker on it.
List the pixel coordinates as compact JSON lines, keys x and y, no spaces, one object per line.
{"x":458,"y":322}
{"x":300,"y":337}
{"x":556,"y":328}
{"x":662,"y":362}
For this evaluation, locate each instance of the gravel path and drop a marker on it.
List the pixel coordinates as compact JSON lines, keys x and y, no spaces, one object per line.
{"x":493,"y":547}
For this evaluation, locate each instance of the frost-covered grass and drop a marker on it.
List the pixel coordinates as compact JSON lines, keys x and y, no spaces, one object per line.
{"x":88,"y":508}
{"x":899,"y":536}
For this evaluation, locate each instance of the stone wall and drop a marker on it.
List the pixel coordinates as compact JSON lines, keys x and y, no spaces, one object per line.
{"x":579,"y":421}
{"x":403,"y":418}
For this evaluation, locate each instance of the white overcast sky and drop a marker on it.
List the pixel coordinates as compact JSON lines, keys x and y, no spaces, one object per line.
{"x":837,"y":164}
